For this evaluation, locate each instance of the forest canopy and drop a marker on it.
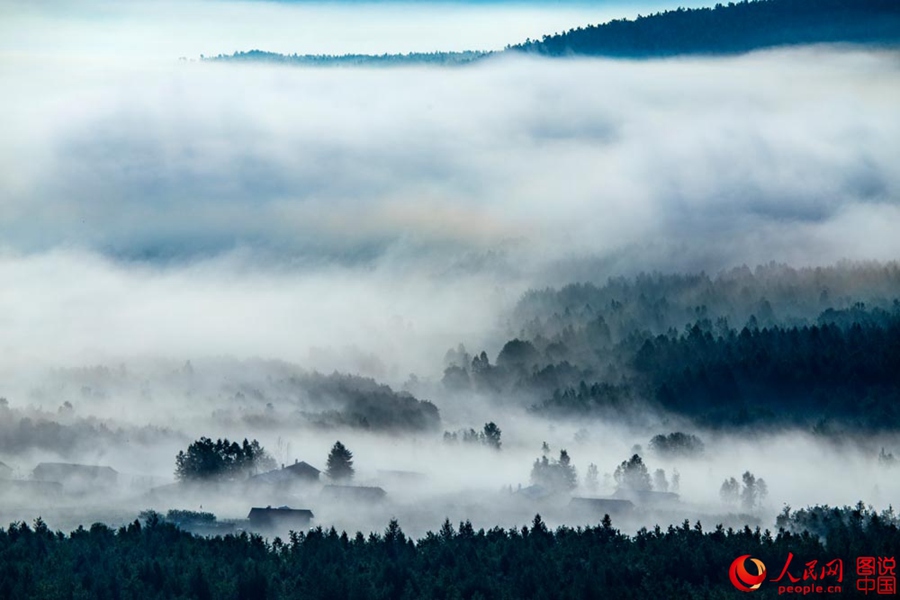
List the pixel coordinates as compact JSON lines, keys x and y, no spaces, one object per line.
{"x":155,"y":559}
{"x":814,"y":348}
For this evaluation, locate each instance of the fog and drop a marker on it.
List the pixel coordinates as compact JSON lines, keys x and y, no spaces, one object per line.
{"x":137,"y":194}
{"x":137,"y":418}
{"x":264,"y":222}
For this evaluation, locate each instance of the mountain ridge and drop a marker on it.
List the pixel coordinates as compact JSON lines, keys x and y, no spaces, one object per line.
{"x":735,"y":28}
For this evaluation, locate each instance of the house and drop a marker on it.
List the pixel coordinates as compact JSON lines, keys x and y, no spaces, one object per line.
{"x":302,"y":471}
{"x":76,"y":478}
{"x":600,"y":506}
{"x":287,"y":476}
{"x":353,"y":493}
{"x":6,"y":471}
{"x":534,"y":492}
{"x":646,"y":497}
{"x":283,"y":518}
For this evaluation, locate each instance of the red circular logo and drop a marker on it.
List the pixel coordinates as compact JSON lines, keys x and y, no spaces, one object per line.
{"x":742,"y":579}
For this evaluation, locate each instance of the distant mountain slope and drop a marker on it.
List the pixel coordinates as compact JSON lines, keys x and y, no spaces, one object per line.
{"x":731,"y":29}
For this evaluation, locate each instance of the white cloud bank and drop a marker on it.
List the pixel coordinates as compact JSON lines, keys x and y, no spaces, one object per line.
{"x":165,"y":208}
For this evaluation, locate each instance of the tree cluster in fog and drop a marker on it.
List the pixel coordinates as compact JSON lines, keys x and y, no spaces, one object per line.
{"x":676,"y":444}
{"x":632,"y":475}
{"x":750,"y":495}
{"x":222,"y":460}
{"x":555,"y":474}
{"x":488,"y":436}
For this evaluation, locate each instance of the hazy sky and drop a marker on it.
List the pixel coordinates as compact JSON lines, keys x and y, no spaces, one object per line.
{"x":104,"y":30}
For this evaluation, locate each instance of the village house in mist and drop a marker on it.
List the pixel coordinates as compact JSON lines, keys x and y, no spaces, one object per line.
{"x":299,"y":473}
{"x":281,"y":519}
{"x":76,"y":478}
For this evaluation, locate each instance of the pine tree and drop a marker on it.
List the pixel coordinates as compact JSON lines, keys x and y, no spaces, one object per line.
{"x":491,"y":435}
{"x":730,"y":492}
{"x":567,"y":471}
{"x":340,"y":463}
{"x":557,"y":475}
{"x":632,"y":475}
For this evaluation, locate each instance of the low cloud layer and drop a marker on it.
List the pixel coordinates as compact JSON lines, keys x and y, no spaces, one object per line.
{"x":196,"y":209}
{"x":535,"y":157}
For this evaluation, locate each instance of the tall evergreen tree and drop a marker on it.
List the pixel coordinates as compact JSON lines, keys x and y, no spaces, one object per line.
{"x":632,"y":475}
{"x":340,"y":463}
{"x":492,"y":435}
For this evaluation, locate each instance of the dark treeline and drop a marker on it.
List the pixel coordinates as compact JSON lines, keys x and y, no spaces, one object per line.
{"x":725,"y":29}
{"x":732,"y":28}
{"x":354,"y":60}
{"x":815,"y":347}
{"x":657,"y":302}
{"x":157,"y":560}
{"x":827,"y":372}
{"x":818,"y":375}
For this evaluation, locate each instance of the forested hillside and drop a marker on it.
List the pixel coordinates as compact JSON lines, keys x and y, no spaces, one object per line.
{"x":731,"y":28}
{"x":818,"y":348}
{"x":725,"y":29}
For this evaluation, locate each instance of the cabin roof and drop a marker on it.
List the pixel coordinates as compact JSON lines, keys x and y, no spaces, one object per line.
{"x":287,"y":474}
{"x":282,"y":511}
{"x":302,"y":466}
{"x":73,"y":468}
